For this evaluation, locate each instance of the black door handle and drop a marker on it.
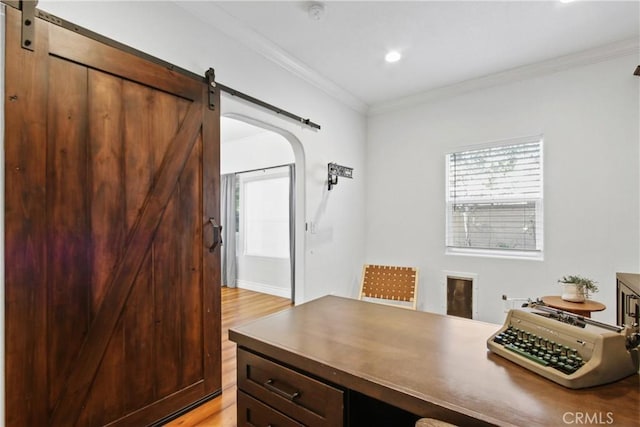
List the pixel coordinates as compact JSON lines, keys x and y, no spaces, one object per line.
{"x":217,"y":235}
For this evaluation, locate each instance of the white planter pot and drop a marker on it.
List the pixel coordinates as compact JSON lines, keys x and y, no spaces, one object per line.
{"x":571,"y":292}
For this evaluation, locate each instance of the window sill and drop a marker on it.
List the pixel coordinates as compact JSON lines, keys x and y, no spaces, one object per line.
{"x":496,"y":253}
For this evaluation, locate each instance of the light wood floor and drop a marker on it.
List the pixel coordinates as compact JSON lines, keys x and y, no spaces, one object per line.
{"x":238,"y":306}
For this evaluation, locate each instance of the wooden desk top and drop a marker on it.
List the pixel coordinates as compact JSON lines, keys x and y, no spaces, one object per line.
{"x":556,"y":301}
{"x":425,"y":363}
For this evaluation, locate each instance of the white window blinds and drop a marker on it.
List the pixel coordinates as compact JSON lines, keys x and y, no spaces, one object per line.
{"x":494,"y":197}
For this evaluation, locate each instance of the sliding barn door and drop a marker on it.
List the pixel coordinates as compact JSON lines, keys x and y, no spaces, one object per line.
{"x":112,"y":288}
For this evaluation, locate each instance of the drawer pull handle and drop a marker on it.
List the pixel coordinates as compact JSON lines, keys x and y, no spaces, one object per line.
{"x":289,"y":396}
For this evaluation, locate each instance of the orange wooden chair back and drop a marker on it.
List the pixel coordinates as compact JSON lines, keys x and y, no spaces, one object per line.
{"x":389,"y":284}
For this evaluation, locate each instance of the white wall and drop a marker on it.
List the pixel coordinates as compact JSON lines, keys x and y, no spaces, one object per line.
{"x":331,"y":259}
{"x":589,"y":118}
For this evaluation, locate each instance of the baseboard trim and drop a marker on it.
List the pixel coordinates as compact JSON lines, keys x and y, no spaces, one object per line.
{"x":264,"y":288}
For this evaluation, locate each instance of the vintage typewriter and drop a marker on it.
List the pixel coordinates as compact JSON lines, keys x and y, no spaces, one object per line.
{"x":571,"y":350}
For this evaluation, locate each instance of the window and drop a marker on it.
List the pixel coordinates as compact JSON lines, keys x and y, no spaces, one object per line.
{"x":494,"y":199}
{"x":266,"y":216}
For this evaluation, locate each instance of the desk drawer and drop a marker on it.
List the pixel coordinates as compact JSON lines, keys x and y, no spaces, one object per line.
{"x":252,"y":412}
{"x":311,"y":402}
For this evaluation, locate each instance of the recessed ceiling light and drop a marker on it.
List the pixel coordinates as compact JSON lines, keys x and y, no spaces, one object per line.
{"x":393,"y":56}
{"x":567,"y":1}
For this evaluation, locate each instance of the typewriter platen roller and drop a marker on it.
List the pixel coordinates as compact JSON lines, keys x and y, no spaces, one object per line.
{"x":565,"y":348}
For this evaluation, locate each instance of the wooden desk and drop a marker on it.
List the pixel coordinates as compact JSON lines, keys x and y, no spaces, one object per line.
{"x":426,"y":364}
{"x":580,"y":308}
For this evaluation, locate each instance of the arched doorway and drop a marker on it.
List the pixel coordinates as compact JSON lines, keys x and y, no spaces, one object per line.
{"x":266,"y":166}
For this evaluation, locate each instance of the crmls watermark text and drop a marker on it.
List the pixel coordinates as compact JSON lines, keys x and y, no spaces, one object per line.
{"x":590,"y":418}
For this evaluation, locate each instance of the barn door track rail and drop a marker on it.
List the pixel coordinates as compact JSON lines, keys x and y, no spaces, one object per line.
{"x":268,"y":106}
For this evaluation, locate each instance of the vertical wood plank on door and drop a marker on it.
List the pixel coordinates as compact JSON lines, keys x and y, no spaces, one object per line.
{"x":105,"y":145}
{"x":167,"y":277}
{"x":211,"y":261}
{"x":140,"y":310}
{"x":167,"y":274}
{"x":26,"y":379}
{"x":167,"y":114}
{"x":69,"y":250}
{"x":106,"y":189}
{"x":139,"y":155}
{"x":139,"y":345}
{"x":190,"y":186}
{"x":105,"y":402}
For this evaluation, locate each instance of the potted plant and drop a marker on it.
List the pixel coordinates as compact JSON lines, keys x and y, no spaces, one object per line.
{"x":577,"y":288}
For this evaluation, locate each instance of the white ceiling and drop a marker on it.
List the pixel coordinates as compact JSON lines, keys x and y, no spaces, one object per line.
{"x":443,"y":43}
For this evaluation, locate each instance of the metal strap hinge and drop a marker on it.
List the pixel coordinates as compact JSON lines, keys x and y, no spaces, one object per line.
{"x":28,"y":9}
{"x":211,"y":84}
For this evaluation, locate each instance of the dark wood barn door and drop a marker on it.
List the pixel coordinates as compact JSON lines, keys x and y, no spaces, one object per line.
{"x":112,"y":294}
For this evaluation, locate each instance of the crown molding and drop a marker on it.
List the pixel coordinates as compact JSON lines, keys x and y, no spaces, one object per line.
{"x":237,"y":30}
{"x":586,"y":57}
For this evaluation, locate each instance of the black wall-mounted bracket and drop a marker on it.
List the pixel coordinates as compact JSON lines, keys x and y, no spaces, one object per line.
{"x":334,"y":171}
{"x":637,"y":72}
